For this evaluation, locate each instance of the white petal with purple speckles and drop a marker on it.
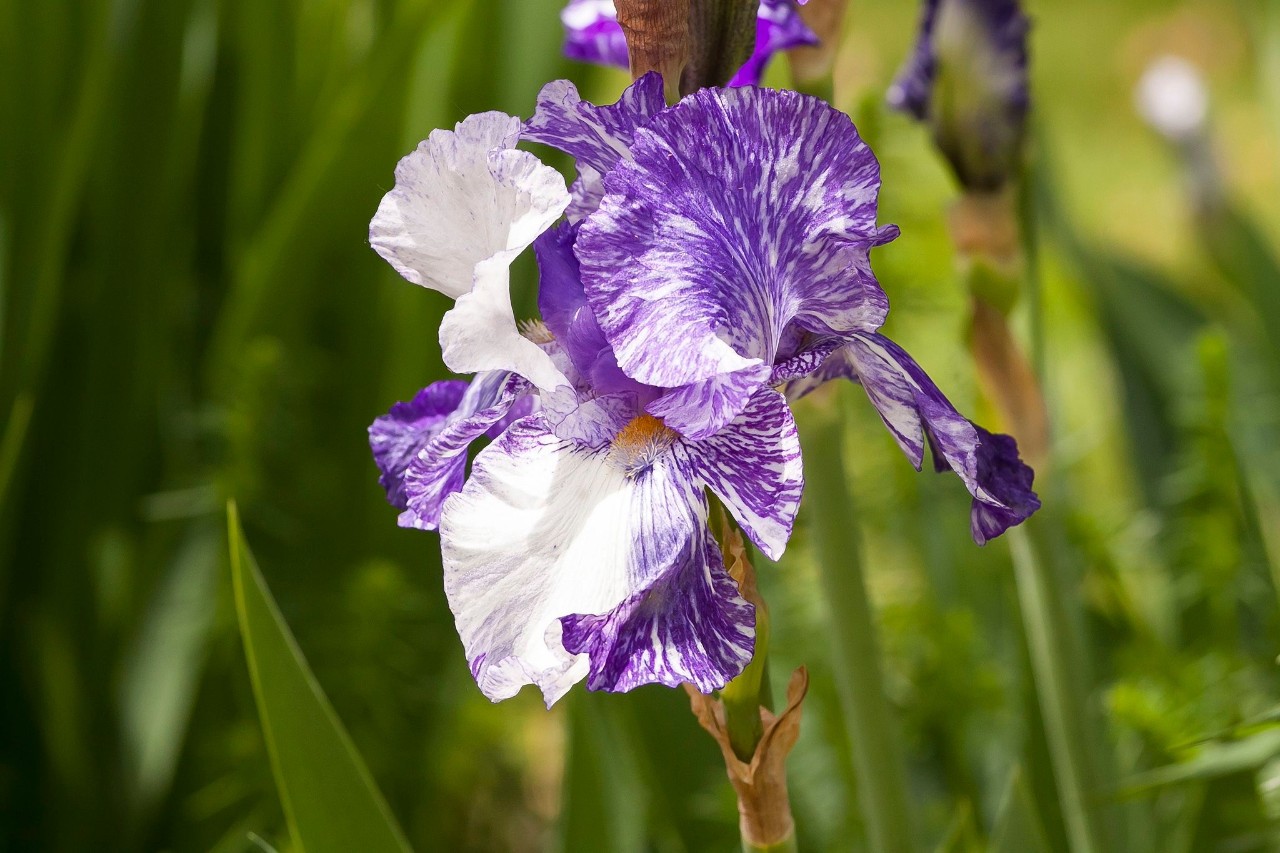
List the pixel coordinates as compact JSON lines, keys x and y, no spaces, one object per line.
{"x":690,"y":625}
{"x":742,"y":210}
{"x":545,"y":529}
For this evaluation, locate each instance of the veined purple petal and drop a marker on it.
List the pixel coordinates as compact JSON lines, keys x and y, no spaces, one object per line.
{"x":915,"y":411}
{"x":592,"y":33}
{"x":546,"y":533}
{"x":703,"y":408}
{"x":564,"y":309}
{"x":398,"y":436}
{"x":1008,"y":479}
{"x":690,"y":625}
{"x":439,"y":468}
{"x":596,"y":137}
{"x":778,"y":27}
{"x":742,"y":211}
{"x":754,"y":465}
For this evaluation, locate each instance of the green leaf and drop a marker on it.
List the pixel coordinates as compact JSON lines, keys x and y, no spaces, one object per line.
{"x":1212,"y":762}
{"x":329,"y":798}
{"x":1019,"y":828}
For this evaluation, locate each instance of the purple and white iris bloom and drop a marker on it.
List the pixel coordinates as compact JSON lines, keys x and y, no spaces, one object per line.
{"x":967,"y":79}
{"x":592,"y":34}
{"x":712,"y":252}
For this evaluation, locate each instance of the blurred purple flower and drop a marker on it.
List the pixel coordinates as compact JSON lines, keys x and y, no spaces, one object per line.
{"x":967,"y":79}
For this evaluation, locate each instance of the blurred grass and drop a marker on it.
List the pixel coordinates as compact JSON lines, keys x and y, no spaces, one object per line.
{"x":189,"y":312}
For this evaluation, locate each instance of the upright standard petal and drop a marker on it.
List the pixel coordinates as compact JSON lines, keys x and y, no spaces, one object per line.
{"x":596,"y":137}
{"x":741,"y":212}
{"x":465,"y":204}
{"x":398,"y":436}
{"x":547,"y":534}
{"x":915,"y":411}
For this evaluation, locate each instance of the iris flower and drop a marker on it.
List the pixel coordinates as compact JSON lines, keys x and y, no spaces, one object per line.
{"x":711,"y":253}
{"x":592,"y":34}
{"x":967,"y":79}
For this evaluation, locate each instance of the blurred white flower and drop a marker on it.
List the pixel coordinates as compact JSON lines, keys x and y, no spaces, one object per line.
{"x":1172,"y":98}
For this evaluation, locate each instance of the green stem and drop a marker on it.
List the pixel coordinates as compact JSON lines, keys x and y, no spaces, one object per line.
{"x":882,"y":788}
{"x":1054,"y":648}
{"x":1048,"y":632}
{"x":742,"y":700}
{"x":743,"y":696}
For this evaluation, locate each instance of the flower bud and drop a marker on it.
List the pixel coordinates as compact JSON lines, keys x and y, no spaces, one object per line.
{"x":967,"y":79}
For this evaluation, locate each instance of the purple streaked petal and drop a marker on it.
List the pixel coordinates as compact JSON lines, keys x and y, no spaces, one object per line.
{"x":778,"y":27}
{"x":914,"y":410}
{"x":806,"y":361}
{"x":754,"y":465}
{"x":439,"y":469}
{"x":1008,"y":479}
{"x":690,"y":625}
{"x":742,"y":211}
{"x":545,"y":529}
{"x":596,"y":137}
{"x":398,"y":436}
{"x":565,"y":311}
{"x":592,"y":33}
{"x":703,"y":408}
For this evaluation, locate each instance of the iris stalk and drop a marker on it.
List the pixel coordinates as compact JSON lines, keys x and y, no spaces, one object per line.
{"x":1051,"y":640}
{"x":882,"y":788}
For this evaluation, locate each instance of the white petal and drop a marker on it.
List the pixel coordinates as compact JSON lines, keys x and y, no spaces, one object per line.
{"x":479,"y":333}
{"x":545,"y":529}
{"x":461,"y":197}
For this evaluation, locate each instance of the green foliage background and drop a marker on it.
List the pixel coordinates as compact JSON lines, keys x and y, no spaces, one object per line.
{"x":189,"y":312}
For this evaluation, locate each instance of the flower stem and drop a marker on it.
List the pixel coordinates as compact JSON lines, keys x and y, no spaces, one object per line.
{"x":1049,"y":636}
{"x":882,"y":788}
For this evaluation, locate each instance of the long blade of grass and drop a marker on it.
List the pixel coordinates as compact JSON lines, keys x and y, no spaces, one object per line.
{"x":330,"y":800}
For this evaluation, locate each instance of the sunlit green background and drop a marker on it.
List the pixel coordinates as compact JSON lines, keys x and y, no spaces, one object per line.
{"x":190,"y":313}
